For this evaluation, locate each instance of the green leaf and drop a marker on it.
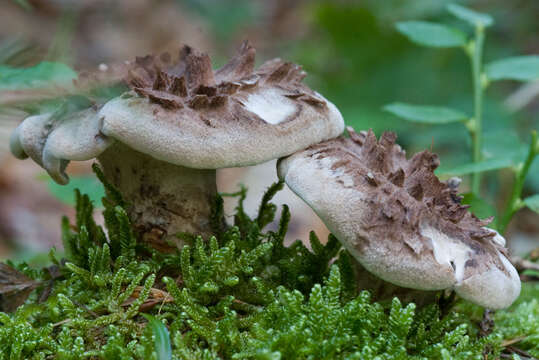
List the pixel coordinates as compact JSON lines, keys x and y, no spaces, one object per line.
{"x":532,"y":202}
{"x":471,"y":16}
{"x":485,"y":165}
{"x":425,"y":114}
{"x":86,"y":184}
{"x":522,"y":68}
{"x":25,"y":4}
{"x":503,"y":143}
{"x":161,"y":338}
{"x":480,"y":207}
{"x":432,"y":34}
{"x":44,"y":74}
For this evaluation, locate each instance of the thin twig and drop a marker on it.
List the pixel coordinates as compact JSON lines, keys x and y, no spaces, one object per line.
{"x":61,"y":323}
{"x":513,"y":341}
{"x":94,"y":314}
{"x":520,"y":352}
{"x":523,"y":264}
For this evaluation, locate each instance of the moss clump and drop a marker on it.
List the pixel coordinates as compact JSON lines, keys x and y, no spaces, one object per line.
{"x":240,"y":295}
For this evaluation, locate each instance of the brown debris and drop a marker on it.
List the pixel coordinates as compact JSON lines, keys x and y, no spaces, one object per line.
{"x":156,"y":296}
{"x":15,"y":287}
{"x":522,"y":265}
{"x":486,"y":325}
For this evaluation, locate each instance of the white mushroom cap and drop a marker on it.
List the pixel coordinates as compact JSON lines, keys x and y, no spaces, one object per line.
{"x":29,"y":138}
{"x":399,"y":221}
{"x":78,"y":138}
{"x":235,"y":116}
{"x":15,"y":144}
{"x":186,"y":114}
{"x":52,"y":141}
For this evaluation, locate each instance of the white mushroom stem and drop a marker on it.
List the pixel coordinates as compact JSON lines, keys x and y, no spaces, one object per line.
{"x":164,"y":200}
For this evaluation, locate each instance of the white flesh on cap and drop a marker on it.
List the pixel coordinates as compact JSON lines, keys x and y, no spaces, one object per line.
{"x":448,"y":251}
{"x":493,"y":289}
{"x":271,"y":106}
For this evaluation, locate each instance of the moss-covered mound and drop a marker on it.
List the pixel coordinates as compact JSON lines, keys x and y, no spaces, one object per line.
{"x":240,"y":295}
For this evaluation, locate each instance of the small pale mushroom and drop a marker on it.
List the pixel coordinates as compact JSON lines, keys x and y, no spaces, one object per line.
{"x":161,"y":142}
{"x":399,"y":221}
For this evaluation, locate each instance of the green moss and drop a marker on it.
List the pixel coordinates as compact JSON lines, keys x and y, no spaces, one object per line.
{"x":240,"y":295}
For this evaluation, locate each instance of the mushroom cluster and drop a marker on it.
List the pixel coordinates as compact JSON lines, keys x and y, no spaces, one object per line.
{"x":399,"y":220}
{"x":161,"y":142}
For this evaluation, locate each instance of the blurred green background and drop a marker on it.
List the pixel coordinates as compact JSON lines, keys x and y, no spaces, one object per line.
{"x":350,"y":49}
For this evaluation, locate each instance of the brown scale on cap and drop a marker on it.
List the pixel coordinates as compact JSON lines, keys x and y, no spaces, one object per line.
{"x":190,"y":81}
{"x":405,"y":193}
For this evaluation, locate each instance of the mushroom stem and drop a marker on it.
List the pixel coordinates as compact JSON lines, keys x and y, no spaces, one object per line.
{"x":163,"y":199}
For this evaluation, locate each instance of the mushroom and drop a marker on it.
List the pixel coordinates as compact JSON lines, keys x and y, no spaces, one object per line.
{"x":399,"y":221}
{"x":161,"y":142}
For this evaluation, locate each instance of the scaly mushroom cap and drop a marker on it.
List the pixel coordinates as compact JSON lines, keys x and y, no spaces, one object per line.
{"x":399,"y":221}
{"x":189,"y":115}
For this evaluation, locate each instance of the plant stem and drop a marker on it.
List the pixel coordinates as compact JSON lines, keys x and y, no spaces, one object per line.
{"x":476,"y":130}
{"x":515,"y":202}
